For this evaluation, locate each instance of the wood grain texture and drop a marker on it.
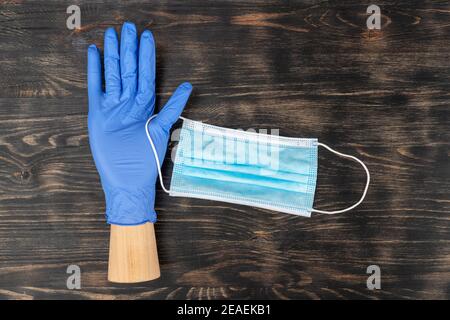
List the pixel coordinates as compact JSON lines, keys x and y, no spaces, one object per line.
{"x":310,"y":69}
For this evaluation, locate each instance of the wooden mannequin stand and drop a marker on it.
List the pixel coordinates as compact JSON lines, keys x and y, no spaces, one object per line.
{"x":133,"y":256}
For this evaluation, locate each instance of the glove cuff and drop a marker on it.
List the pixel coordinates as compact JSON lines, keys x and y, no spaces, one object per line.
{"x":130,"y":207}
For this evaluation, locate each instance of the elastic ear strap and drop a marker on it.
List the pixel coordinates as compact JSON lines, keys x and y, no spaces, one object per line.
{"x":158,"y":164}
{"x":365,"y":189}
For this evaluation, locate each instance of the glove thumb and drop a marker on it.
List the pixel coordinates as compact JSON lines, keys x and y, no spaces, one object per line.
{"x":174,"y":107}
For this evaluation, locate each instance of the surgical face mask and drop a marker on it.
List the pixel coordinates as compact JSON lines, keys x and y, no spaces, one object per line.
{"x":260,"y":170}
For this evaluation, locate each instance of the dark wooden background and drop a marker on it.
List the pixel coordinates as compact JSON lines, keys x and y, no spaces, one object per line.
{"x":309,"y":68}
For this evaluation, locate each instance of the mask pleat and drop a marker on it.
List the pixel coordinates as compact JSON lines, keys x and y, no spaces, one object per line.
{"x":245,"y":178}
{"x":264,"y":172}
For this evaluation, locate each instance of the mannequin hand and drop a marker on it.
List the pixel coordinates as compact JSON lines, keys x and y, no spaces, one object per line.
{"x":117,"y":120}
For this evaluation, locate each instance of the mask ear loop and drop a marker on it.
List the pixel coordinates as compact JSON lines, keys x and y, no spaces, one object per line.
{"x":365,"y":189}
{"x":155,"y":153}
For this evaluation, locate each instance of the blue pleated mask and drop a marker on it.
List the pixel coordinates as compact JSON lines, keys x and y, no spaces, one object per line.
{"x":247,"y":168}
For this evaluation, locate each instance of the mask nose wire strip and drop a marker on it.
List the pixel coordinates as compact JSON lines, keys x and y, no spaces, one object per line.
{"x":158,"y":164}
{"x":365,"y":189}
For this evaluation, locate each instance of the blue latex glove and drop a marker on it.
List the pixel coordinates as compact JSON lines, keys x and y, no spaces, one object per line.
{"x":117,"y":120}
